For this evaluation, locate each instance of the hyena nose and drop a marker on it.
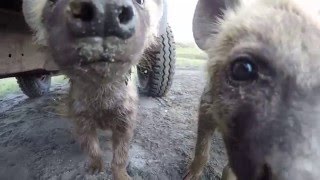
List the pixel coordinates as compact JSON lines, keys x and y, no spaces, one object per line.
{"x":120,"y":20}
{"x":87,"y":18}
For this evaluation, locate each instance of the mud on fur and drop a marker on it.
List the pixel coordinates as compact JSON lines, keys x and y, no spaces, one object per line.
{"x":95,"y":43}
{"x":262,"y":90}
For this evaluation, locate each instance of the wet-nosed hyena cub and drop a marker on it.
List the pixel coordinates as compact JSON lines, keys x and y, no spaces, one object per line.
{"x":263,"y":90}
{"x":95,"y":43}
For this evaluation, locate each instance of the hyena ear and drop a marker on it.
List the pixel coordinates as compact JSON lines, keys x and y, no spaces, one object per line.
{"x":33,"y":12}
{"x":206,"y":15}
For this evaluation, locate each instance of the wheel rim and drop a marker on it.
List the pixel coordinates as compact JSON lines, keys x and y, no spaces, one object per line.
{"x":44,"y":82}
{"x":43,"y":78}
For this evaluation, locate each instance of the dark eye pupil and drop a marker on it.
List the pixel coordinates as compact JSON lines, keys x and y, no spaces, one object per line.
{"x":243,"y":69}
{"x":140,"y":1}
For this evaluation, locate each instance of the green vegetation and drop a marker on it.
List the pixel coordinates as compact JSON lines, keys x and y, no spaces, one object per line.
{"x":59,"y":79}
{"x":8,"y":85}
{"x":187,"y":63}
{"x":189,"y":56}
{"x":190,"y":51}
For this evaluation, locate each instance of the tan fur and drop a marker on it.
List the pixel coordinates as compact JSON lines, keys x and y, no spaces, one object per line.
{"x":262,"y":10}
{"x":288,"y":29}
{"x":32,"y":10}
{"x":109,"y":105}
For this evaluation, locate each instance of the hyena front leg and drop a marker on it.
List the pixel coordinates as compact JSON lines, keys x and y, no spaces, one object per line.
{"x":122,"y":134}
{"x":201,"y":152}
{"x":227,"y":173}
{"x":206,"y":127}
{"x":89,"y":142}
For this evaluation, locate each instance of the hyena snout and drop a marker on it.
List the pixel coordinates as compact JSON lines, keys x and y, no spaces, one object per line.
{"x":282,"y":145}
{"x":96,"y":18}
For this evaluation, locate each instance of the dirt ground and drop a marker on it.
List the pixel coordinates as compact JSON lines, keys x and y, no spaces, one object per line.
{"x":36,"y":143}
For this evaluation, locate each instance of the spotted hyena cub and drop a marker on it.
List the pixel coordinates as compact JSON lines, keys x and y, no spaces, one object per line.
{"x":95,"y":42}
{"x":263,"y":89}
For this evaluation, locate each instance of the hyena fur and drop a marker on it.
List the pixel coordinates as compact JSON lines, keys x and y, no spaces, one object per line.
{"x":263,"y":87}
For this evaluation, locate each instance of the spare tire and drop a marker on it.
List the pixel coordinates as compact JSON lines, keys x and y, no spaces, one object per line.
{"x":34,"y":85}
{"x":156,"y":69}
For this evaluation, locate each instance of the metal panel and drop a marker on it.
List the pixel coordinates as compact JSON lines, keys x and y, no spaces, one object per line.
{"x":17,"y":51}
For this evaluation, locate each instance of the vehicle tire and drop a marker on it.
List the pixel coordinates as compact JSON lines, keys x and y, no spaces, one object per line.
{"x":156,"y":69}
{"x":34,"y":85}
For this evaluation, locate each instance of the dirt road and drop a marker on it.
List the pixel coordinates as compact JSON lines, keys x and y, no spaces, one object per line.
{"x":36,"y":143}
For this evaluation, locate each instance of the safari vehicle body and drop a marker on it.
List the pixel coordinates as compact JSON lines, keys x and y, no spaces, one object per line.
{"x":33,"y":66}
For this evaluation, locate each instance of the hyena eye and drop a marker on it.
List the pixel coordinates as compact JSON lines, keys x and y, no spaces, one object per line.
{"x":141,"y":2}
{"x":243,"y":68}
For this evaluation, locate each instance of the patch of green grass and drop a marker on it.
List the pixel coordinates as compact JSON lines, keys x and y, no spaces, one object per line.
{"x":189,"y":63}
{"x":59,"y":79}
{"x":189,"y":51}
{"x":8,"y":85}
{"x":189,"y":56}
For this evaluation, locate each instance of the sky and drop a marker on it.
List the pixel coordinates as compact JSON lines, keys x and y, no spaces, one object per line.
{"x":180,"y":19}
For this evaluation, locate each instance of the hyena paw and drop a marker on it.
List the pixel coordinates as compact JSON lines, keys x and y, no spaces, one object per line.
{"x":95,"y":167}
{"x":124,"y":176}
{"x":121,"y":175}
{"x":191,"y":176}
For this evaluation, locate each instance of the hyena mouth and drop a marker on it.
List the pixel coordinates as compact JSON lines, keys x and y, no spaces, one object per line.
{"x":95,"y":50}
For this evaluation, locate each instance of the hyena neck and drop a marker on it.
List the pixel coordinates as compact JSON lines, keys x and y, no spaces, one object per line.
{"x":95,"y":81}
{"x":100,"y":75}
{"x":84,"y":90}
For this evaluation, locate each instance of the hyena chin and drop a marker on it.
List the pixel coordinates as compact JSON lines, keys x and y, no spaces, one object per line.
{"x":95,"y":43}
{"x":263,"y":91}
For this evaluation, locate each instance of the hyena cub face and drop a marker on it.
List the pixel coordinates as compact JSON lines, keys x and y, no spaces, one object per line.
{"x":90,"y":33}
{"x":263,"y":93}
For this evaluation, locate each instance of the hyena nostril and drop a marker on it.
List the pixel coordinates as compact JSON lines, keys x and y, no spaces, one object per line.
{"x":82,"y":10}
{"x":126,"y":14}
{"x":119,"y":20}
